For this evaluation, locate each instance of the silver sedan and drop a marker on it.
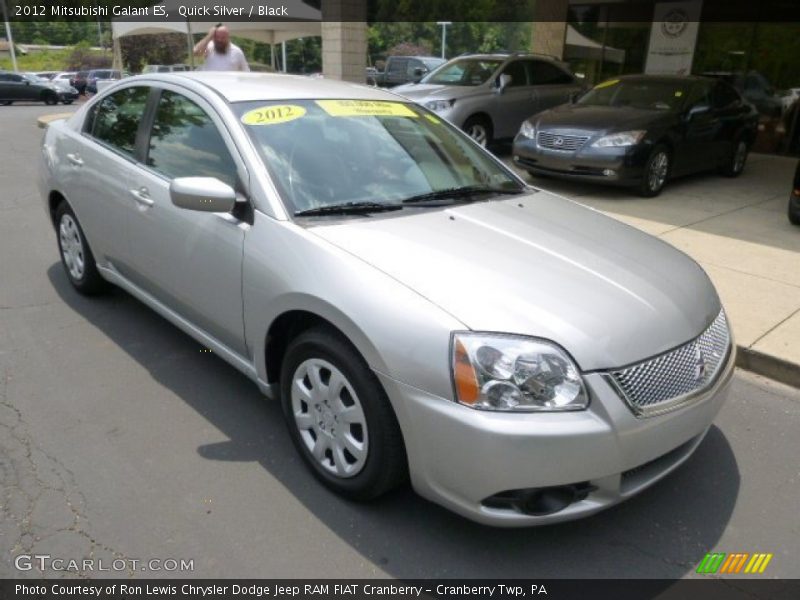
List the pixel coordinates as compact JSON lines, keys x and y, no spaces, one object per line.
{"x":419,"y":311}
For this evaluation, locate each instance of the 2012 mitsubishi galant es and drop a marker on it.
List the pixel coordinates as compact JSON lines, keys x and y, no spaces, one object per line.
{"x":418,"y":309}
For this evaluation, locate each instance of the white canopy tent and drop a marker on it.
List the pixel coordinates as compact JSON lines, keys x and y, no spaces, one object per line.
{"x":579,"y":46}
{"x":303,"y":21}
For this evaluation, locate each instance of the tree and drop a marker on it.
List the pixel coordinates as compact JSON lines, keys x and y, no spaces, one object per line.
{"x":155,"y":49}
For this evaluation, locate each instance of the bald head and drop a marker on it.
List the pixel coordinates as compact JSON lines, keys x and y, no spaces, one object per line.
{"x":222,"y":39}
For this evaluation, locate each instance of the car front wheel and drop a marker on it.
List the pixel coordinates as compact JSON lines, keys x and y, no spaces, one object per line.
{"x":479,"y":129}
{"x":76,"y":256}
{"x":339,"y":417}
{"x":656,"y":172}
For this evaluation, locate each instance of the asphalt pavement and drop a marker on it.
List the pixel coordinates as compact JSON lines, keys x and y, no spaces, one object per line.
{"x":121,"y":439}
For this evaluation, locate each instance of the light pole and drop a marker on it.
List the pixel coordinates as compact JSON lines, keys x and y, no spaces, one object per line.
{"x":444,"y":25}
{"x":8,"y":36}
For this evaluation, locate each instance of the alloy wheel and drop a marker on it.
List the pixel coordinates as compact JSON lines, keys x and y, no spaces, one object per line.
{"x":72,"y":247}
{"x":657,"y":173}
{"x":330,"y":418}
{"x":740,"y":156}
{"x":478,"y":132}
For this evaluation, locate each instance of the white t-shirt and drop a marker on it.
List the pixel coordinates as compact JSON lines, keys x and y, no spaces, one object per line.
{"x":232,"y":60}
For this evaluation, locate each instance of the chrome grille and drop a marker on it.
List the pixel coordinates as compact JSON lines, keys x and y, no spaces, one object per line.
{"x":557,"y":141}
{"x":668,"y":381}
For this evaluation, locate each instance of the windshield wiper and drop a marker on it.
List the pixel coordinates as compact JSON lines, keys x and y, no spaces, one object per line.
{"x":459,"y":192}
{"x":348,"y":208}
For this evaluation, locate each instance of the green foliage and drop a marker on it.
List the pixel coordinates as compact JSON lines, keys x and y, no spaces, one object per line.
{"x":56,"y":60}
{"x":157,"y":49}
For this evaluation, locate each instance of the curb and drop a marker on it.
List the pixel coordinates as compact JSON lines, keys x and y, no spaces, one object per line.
{"x":769,"y":366}
{"x":43,"y":121}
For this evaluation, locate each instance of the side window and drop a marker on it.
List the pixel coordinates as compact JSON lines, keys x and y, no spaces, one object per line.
{"x":544,"y":73}
{"x":5,"y":77}
{"x":185,"y":142}
{"x":516,"y":69}
{"x":699,"y":96}
{"x":16,"y":78}
{"x":397,"y":66}
{"x":117,"y":117}
{"x":413,"y":65}
{"x":723,"y":96}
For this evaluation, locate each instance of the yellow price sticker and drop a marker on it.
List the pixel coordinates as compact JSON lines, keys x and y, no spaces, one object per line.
{"x":432,"y":119}
{"x":273,"y":114}
{"x":606,"y":84}
{"x":678,"y":93}
{"x":365,"y":108}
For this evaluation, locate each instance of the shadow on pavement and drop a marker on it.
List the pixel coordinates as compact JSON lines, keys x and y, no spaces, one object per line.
{"x":662,"y":533}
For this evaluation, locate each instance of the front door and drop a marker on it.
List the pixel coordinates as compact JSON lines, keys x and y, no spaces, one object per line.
{"x":191,"y":261}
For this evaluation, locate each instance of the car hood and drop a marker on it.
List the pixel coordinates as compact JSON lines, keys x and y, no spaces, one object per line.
{"x":543,"y":266}
{"x":429,"y":91}
{"x":600,"y":118}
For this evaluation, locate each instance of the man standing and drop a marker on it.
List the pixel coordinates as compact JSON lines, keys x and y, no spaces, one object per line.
{"x":220,"y":53}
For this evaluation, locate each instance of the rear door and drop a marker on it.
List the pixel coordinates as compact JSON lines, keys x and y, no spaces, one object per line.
{"x":697,"y":149}
{"x":95,"y":168}
{"x":551,"y":85}
{"x":190,"y":261}
{"x":515,"y":103}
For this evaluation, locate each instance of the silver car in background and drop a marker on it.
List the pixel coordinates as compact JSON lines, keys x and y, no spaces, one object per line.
{"x":419,"y":311}
{"x":490,"y":95}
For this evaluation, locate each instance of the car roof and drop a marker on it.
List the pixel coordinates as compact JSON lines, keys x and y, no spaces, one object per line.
{"x":662,"y":78}
{"x":242,"y":87}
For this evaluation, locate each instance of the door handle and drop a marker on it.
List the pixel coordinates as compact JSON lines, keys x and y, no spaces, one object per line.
{"x":142,"y":196}
{"x":75,"y":159}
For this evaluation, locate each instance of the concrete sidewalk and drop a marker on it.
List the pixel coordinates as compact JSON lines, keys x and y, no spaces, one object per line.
{"x":738,"y":231}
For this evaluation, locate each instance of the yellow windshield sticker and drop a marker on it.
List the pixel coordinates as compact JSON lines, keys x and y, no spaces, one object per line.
{"x":606,"y":84}
{"x":273,"y":114}
{"x":432,"y":119}
{"x":365,"y":108}
{"x":678,"y":93}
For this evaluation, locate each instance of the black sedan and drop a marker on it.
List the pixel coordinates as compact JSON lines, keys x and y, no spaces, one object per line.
{"x":640,"y":131}
{"x":794,"y":198}
{"x":17,"y":87}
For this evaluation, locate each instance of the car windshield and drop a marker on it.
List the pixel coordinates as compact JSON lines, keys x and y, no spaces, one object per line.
{"x":653,"y":94}
{"x":334,"y":152}
{"x":463,"y":71}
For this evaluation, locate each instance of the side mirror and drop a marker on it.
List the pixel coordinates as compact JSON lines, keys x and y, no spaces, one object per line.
{"x":419,"y":72}
{"x":502,"y":82}
{"x":574,"y":97}
{"x":697,"y":109}
{"x":206,"y":194}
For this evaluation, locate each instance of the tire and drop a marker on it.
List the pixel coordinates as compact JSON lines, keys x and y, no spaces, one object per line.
{"x":656,"y":172}
{"x":737,"y":159}
{"x":361,"y":456}
{"x":480,"y":130}
{"x":76,"y":256}
{"x":794,"y":211}
{"x":50,"y":99}
{"x":67,"y":102}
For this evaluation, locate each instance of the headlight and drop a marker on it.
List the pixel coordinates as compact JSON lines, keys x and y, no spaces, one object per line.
{"x":514,"y":373}
{"x":527,"y":130}
{"x":439,"y":105}
{"x":618,"y":140}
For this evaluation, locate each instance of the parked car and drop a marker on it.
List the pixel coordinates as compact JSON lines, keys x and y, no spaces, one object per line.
{"x":755,"y":88}
{"x":418,"y":309}
{"x":794,"y":198}
{"x":640,"y":131}
{"x":17,"y":87}
{"x":64,"y":77}
{"x":61,"y":83}
{"x":403,"y":69}
{"x":79,"y":82}
{"x":45,"y":74}
{"x":165,"y":68}
{"x":489,"y":95}
{"x":100,"y":75}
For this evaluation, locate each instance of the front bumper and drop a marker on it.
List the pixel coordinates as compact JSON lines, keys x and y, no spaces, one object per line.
{"x":619,"y":166}
{"x":67,"y":95}
{"x":460,"y":457}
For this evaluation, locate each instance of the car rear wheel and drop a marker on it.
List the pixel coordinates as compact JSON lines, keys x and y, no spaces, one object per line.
{"x":339,"y":417}
{"x":479,"y":129}
{"x":737,"y":159}
{"x":656,"y":172}
{"x":76,"y":256}
{"x":50,"y":99}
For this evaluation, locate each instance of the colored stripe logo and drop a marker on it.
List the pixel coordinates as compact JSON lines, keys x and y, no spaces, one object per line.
{"x":734,"y":563}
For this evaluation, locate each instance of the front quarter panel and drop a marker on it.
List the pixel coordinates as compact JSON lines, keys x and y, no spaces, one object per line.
{"x":398,"y":332}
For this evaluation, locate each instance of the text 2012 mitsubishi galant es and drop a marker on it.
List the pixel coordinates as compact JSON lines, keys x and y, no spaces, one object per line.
{"x":419,"y":310}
